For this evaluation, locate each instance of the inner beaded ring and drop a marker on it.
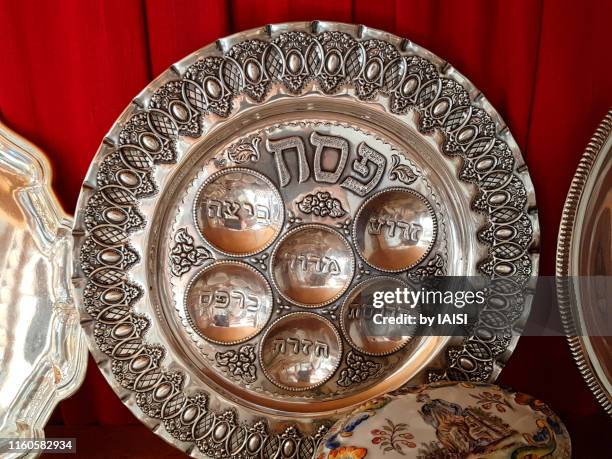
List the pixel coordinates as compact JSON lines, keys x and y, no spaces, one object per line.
{"x":312,"y":265}
{"x":240,"y":212}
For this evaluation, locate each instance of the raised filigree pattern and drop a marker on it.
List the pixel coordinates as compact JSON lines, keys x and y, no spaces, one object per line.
{"x":240,"y":363}
{"x":401,"y":172}
{"x":184,"y":254}
{"x":240,"y":153}
{"x":436,"y":266}
{"x":358,"y":369}
{"x":321,"y":204}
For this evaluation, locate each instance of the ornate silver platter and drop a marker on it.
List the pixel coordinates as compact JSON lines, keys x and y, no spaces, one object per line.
{"x":43,"y":354}
{"x":584,"y":259}
{"x":243,"y":198}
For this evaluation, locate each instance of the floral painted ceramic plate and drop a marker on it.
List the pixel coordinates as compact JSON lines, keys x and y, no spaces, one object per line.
{"x":449,"y":420}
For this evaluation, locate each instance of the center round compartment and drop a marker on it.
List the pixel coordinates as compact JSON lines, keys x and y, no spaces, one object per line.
{"x":312,"y":266}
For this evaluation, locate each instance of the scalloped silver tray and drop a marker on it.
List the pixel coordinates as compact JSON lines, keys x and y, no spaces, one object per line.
{"x":246,"y":194}
{"x":584,"y":250}
{"x":43,"y":353}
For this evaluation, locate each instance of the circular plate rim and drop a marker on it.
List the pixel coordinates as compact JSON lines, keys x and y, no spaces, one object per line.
{"x":565,"y":243}
{"x":360,"y":33}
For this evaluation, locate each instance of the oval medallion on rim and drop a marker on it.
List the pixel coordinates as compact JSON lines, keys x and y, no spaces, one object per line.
{"x":228,"y":302}
{"x":312,"y":265}
{"x":300,"y":351}
{"x":239,"y":212}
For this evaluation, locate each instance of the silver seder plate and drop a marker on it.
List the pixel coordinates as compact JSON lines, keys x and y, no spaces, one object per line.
{"x":240,"y":203}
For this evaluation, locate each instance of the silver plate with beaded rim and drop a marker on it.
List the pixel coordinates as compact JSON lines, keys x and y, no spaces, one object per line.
{"x":584,"y":250}
{"x":331,"y":118}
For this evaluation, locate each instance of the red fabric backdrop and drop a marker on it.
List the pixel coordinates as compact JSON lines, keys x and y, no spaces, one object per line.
{"x":70,"y":67}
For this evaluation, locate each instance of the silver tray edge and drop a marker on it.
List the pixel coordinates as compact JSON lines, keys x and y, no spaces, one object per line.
{"x":39,"y":396}
{"x":564,"y":248}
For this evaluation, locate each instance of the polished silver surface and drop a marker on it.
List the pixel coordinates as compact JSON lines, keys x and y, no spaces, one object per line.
{"x":326,"y":116}
{"x":43,"y":354}
{"x":584,"y":250}
{"x":228,"y":302}
{"x":358,"y":311}
{"x":239,"y":212}
{"x":300,"y":351}
{"x":312,"y":266}
{"x":395,"y":229}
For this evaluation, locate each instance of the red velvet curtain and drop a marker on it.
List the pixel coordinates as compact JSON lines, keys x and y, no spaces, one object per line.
{"x":70,"y":67}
